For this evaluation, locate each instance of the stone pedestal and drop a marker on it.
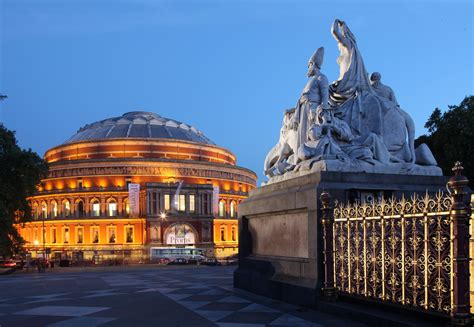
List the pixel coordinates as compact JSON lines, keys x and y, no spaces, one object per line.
{"x":279,"y":229}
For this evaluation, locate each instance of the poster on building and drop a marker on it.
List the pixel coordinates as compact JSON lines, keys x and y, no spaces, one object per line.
{"x":215,"y":201}
{"x":180,"y":234}
{"x":134,"y":199}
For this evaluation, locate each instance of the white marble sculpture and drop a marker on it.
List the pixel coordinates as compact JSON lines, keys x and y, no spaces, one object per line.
{"x":296,"y":123}
{"x":353,"y":125}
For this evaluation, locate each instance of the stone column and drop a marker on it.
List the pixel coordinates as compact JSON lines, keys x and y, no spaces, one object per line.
{"x":87,"y":206}
{"x":197,"y":203}
{"x":103,"y":204}
{"x":120,"y":208}
{"x":329,"y":291}
{"x":460,"y":311}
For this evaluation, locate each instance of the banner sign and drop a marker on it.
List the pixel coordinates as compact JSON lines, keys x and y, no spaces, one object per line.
{"x":215,"y":201}
{"x":134,"y":199}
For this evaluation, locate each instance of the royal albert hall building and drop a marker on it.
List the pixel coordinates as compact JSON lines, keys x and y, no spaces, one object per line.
{"x":141,"y":187}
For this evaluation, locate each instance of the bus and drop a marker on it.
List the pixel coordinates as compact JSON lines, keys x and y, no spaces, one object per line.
{"x":157,"y":253}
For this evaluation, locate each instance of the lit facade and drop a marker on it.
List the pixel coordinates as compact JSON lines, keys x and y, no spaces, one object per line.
{"x":189,"y":193}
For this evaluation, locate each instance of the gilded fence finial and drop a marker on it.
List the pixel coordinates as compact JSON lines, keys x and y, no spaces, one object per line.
{"x":325,"y":198}
{"x":458,"y":182}
{"x":457,"y":168}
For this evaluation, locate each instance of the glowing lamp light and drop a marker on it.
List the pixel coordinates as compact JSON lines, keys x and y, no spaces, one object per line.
{"x":36,"y":242}
{"x":163,"y":215}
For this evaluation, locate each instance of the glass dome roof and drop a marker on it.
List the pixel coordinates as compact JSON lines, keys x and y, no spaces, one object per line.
{"x":139,"y":124}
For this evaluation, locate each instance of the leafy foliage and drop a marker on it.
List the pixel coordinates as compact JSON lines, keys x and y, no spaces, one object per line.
{"x":451,"y":137}
{"x":20,"y":172}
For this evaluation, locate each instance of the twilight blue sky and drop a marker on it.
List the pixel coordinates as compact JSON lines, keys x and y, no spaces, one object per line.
{"x":229,"y":68}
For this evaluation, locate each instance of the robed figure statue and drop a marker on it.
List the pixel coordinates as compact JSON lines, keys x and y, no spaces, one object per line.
{"x":361,"y":107}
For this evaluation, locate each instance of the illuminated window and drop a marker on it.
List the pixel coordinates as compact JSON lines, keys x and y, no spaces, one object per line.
{"x":112,"y":209}
{"x":35,"y":211}
{"x":167,"y":202}
{"x":221,"y":208}
{"x":44,"y":211}
{"x":95,"y":209}
{"x":66,"y":208}
{"x":95,"y":234}
{"x":80,"y":234}
{"x":66,"y":235}
{"x":54,"y":210}
{"x":127,"y":207}
{"x":112,"y":234}
{"x":53,"y":235}
{"x":182,"y":202}
{"x":223,"y":233}
{"x":232,"y":209}
{"x":129,"y":234}
{"x":192,"y":203}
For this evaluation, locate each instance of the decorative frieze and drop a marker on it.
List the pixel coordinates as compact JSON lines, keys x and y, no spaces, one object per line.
{"x":148,"y":170}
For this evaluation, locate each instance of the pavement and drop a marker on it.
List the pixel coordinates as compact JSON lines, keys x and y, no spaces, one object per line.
{"x":145,"y":296}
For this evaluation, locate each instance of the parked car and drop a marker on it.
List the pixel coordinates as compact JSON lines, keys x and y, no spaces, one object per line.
{"x":195,"y":259}
{"x":178,"y":261}
{"x":20,"y":263}
{"x":233,"y":260}
{"x":7,"y":264}
{"x":212,"y":262}
{"x":164,"y":261}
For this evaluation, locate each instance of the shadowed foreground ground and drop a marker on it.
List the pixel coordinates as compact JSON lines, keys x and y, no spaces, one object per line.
{"x":144,"y":296}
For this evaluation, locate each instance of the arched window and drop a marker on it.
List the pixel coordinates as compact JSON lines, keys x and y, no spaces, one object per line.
{"x":232,"y":209}
{"x":54,"y":209}
{"x":111,"y":208}
{"x":66,"y":208}
{"x":126,"y":206}
{"x":80,"y":208}
{"x":222,"y":233}
{"x":35,"y":211}
{"x":221,"y":208}
{"x":44,"y":211}
{"x":234,"y":236}
{"x":95,"y":208}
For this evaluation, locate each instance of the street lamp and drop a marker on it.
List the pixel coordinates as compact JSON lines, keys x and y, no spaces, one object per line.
{"x":44,"y":242}
{"x":163,"y":218}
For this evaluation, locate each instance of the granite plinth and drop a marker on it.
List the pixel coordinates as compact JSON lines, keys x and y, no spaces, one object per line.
{"x":309,"y":167}
{"x":279,"y":231}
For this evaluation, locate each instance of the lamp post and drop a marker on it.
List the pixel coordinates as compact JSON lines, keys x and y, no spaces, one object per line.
{"x":44,"y":243}
{"x":162,"y":219}
{"x":36,"y":247}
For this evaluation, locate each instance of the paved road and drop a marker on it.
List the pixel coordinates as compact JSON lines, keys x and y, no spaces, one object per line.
{"x":144,"y":296}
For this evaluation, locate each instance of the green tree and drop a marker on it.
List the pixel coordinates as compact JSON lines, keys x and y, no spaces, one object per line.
{"x":20,"y":172}
{"x":451,"y":137}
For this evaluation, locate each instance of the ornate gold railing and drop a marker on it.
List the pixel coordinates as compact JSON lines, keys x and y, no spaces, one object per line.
{"x":412,"y":252}
{"x":395,"y":250}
